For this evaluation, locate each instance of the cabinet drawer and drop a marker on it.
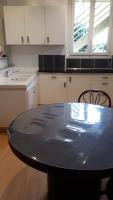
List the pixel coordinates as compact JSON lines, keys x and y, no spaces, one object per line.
{"x":51,"y":77}
{"x":95,"y":84}
{"x":105,"y":85}
{"x":78,"y":78}
{"x":103,"y":77}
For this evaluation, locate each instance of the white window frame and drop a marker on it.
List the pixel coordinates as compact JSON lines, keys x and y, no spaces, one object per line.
{"x":89,"y":53}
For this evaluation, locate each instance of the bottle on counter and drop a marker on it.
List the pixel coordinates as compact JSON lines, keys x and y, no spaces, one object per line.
{"x":2,"y":54}
{"x":0,"y":51}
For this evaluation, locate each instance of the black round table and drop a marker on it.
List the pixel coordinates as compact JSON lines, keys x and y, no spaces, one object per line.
{"x":71,"y":142}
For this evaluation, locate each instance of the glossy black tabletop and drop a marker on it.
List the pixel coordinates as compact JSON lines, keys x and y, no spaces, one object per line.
{"x":70,"y":137}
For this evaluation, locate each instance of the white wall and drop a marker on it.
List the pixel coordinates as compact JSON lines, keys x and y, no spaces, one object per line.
{"x":28,"y":55}
{"x":1,"y":30}
{"x":36,"y":2}
{"x":111,"y":34}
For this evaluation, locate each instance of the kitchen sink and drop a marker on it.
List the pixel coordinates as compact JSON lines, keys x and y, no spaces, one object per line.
{"x":20,"y":77}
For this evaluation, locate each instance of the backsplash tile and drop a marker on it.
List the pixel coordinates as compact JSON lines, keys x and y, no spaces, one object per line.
{"x":87,"y":63}
{"x":102,"y":63}
{"x":48,"y":63}
{"x":109,"y":63}
{"x":56,"y":63}
{"x":112,"y":62}
{"x":73,"y":63}
{"x":59,"y":63}
{"x":41,"y":63}
{"x":51,"y":63}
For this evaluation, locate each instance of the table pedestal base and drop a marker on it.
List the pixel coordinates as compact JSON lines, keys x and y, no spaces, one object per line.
{"x":66,"y":188}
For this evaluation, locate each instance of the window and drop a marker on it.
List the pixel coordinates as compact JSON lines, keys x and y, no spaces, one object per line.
{"x":91,"y":26}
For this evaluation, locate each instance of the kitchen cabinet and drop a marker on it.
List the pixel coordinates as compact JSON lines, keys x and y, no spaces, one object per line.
{"x":55,"y":25}
{"x":62,"y":88}
{"x":103,"y":82}
{"x":76,"y":85}
{"x":25,"y":25}
{"x":14,"y":24}
{"x":67,"y":88}
{"x":53,"y":88}
{"x":32,"y":94}
{"x":17,"y":99}
{"x":34,"y":25}
{"x":12,"y":103}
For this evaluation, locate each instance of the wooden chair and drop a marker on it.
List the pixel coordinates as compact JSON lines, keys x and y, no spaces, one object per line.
{"x":97,"y":97}
{"x":109,"y":189}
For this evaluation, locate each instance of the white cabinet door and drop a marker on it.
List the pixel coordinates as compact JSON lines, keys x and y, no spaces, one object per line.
{"x":76,"y":85}
{"x":32,"y":95}
{"x":14,"y":24}
{"x":12,"y":103}
{"x":53,"y":89}
{"x":105,"y":85}
{"x":55,"y":25}
{"x":34,"y":24}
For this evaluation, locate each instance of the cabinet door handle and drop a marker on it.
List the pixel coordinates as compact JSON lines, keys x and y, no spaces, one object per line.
{"x":104,"y":83}
{"x":33,"y":90}
{"x":53,"y":77}
{"x":22,"y":39}
{"x":105,"y":77}
{"x":48,"y":39}
{"x":28,"y":39}
{"x":70,"y":79}
{"x":64,"y":84}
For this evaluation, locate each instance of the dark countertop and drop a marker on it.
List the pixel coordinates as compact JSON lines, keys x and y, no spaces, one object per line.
{"x":60,"y":138}
{"x":83,"y":71}
{"x":92,"y":71}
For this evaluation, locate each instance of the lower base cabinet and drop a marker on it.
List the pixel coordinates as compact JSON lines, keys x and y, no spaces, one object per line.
{"x":106,"y":86}
{"x":32,"y":95}
{"x":61,"y":88}
{"x":53,"y":88}
{"x":14,"y":101}
{"x":76,"y":85}
{"x":56,"y":88}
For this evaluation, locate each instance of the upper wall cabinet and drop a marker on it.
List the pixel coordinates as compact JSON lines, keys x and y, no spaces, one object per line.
{"x":55,"y":25}
{"x":24,"y":25}
{"x":14,"y":25}
{"x":34,"y":25}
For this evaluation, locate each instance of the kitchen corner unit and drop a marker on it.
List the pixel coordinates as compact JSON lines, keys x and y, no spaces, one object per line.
{"x":16,"y":96}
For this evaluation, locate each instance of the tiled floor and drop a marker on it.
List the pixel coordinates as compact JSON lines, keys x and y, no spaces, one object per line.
{"x":18,"y":181}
